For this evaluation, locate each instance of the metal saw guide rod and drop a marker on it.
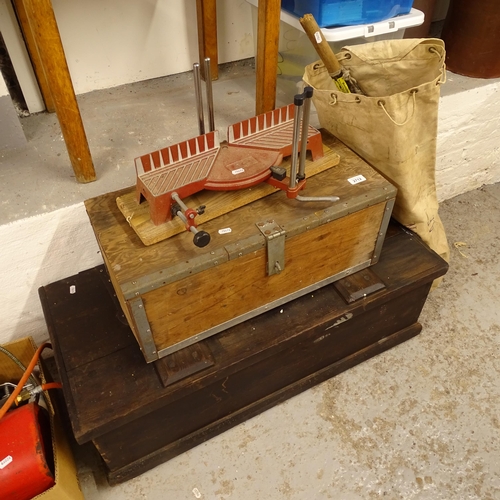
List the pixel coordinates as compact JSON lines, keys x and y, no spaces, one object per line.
{"x":251,"y":155}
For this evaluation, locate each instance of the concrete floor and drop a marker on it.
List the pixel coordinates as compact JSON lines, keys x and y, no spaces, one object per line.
{"x":421,"y":421}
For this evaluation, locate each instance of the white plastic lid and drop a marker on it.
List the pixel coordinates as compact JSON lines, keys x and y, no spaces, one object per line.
{"x":413,"y":18}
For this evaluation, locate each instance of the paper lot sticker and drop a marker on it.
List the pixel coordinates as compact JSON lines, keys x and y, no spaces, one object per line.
{"x":357,"y":179}
{"x":6,"y":461}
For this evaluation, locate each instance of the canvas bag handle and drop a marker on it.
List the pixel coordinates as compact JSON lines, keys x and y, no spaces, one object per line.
{"x":381,"y":103}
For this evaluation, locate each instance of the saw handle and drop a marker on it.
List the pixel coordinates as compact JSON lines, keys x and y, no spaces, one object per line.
{"x":325,"y":52}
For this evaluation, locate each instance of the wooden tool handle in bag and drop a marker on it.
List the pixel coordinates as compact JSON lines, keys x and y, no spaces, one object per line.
{"x":319,"y":42}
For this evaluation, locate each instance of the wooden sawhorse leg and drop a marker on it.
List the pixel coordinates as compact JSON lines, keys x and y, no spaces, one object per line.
{"x":42,"y":35}
{"x":268,"y":30}
{"x":206,"y":14}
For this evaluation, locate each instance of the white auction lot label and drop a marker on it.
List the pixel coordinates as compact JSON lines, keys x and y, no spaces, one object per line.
{"x":357,"y":179}
{"x":237,"y":171}
{"x":6,"y":461}
{"x":225,"y":230}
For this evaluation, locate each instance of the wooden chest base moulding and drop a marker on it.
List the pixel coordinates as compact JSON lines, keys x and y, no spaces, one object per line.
{"x":139,"y":415}
{"x":175,"y":294}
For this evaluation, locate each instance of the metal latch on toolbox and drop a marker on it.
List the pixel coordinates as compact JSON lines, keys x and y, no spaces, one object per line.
{"x":275,"y":238}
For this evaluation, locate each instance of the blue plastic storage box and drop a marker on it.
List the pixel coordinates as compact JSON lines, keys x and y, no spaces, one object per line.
{"x":347,"y":12}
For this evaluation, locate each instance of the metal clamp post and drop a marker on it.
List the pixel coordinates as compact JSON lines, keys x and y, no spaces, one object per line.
{"x":199,"y":96}
{"x":187,"y":215}
{"x":302,"y":110}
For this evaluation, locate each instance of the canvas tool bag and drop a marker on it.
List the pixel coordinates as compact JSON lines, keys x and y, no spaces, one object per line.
{"x":393,"y":126}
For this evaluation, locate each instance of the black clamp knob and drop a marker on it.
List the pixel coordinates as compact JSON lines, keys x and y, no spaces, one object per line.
{"x":201,"y":239}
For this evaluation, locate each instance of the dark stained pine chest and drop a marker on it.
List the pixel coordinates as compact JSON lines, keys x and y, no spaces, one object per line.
{"x":139,"y":415}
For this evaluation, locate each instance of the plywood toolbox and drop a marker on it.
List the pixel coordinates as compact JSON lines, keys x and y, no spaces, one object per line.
{"x":175,"y":294}
{"x":137,"y":419}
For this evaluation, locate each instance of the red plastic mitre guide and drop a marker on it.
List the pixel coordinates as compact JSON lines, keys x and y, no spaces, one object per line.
{"x":253,"y":146}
